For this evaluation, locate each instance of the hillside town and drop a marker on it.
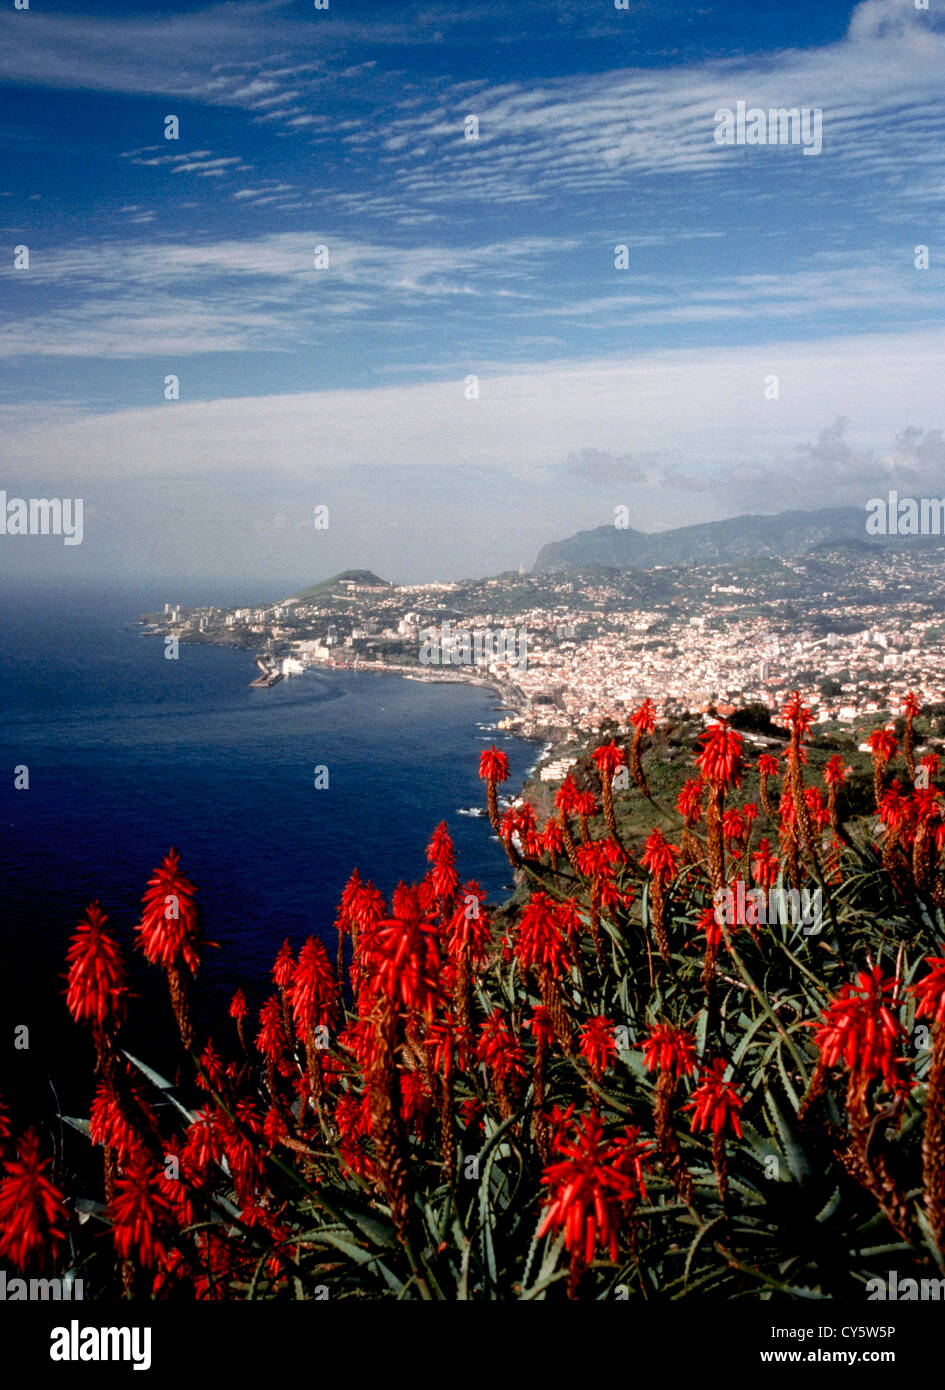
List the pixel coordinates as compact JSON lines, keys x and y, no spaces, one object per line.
{"x":567,"y":652}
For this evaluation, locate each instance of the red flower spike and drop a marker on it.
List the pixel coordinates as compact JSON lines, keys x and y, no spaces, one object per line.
{"x":283,"y":966}
{"x":859,"y":1030}
{"x":33,"y":1216}
{"x":608,"y":758}
{"x":721,"y":758}
{"x":313,"y":993}
{"x":138,"y":1211}
{"x":659,"y":857}
{"x":96,"y":988}
{"x":669,"y":1049}
{"x":539,"y":941}
{"x":644,"y":718}
{"x":590,"y":1182}
{"x":930,"y":991}
{"x":168,"y":931}
{"x":598,"y":1044}
{"x":835,"y":773}
{"x":716,"y":1102}
{"x":882,"y":745}
{"x":493,"y":765}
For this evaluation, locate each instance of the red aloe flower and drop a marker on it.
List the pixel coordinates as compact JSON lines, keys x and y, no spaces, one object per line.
{"x":669,"y":1049}
{"x":566,"y":797}
{"x":442,"y":856}
{"x":659,"y":857}
{"x":859,"y":1030}
{"x":608,"y":758}
{"x":405,"y":959}
{"x":440,"y":849}
{"x":709,"y":922}
{"x":689,"y":801}
{"x":589,"y":1183}
{"x":284,"y":966}
{"x":349,"y":895}
{"x":796,"y":714}
{"x":139,"y":1210}
{"x":469,"y":929}
{"x":815,"y":805}
{"x":539,"y":941}
{"x":644,"y":718}
{"x":926,"y":804}
{"x":96,"y":989}
{"x":835,"y":772}
{"x":271,"y":1039}
{"x":274,"y":1126}
{"x":764,"y":866}
{"x":598,"y":1044}
{"x":239,"y":1011}
{"x":33,"y":1215}
{"x":168,"y":930}
{"x":595,"y":858}
{"x":498,"y":1048}
{"x":213,"y":1075}
{"x":205,"y":1143}
{"x":768,"y":765}
{"x":894,"y":809}
{"x":313,"y":993}
{"x":930,"y":991}
{"x":882,"y":745}
{"x":721,"y":758}
{"x":541,"y":1026}
{"x":169,"y":934}
{"x":493,"y":765}
{"x":910,"y":705}
{"x":519,"y":824}
{"x":552,"y":838}
{"x":451,"y":1045}
{"x":111,"y":1127}
{"x":715,"y":1101}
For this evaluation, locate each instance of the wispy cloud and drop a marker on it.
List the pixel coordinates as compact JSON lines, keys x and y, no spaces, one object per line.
{"x":698,"y":412}
{"x":138,"y":299}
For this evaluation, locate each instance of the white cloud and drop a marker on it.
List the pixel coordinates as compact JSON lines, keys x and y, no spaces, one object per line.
{"x":131,"y":299}
{"x":707,"y":407}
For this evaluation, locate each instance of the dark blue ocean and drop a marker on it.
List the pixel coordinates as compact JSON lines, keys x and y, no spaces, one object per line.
{"x":129,"y":753}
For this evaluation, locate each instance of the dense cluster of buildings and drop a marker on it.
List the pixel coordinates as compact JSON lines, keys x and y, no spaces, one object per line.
{"x":704,"y":639}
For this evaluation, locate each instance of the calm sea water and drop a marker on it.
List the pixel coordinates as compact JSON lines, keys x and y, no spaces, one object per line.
{"x":129,"y":753}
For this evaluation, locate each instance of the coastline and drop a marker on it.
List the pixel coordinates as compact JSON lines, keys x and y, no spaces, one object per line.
{"x":548,"y":739}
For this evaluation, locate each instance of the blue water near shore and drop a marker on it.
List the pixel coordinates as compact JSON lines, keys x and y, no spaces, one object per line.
{"x":129,"y":753}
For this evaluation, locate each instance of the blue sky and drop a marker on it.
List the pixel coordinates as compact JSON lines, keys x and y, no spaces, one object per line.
{"x":450,"y":257}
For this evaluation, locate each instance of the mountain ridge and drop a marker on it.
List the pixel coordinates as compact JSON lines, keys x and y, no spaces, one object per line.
{"x":785,"y":535}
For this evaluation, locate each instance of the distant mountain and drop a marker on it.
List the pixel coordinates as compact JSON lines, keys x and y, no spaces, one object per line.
{"x":786,"y":535}
{"x":316,"y":591}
